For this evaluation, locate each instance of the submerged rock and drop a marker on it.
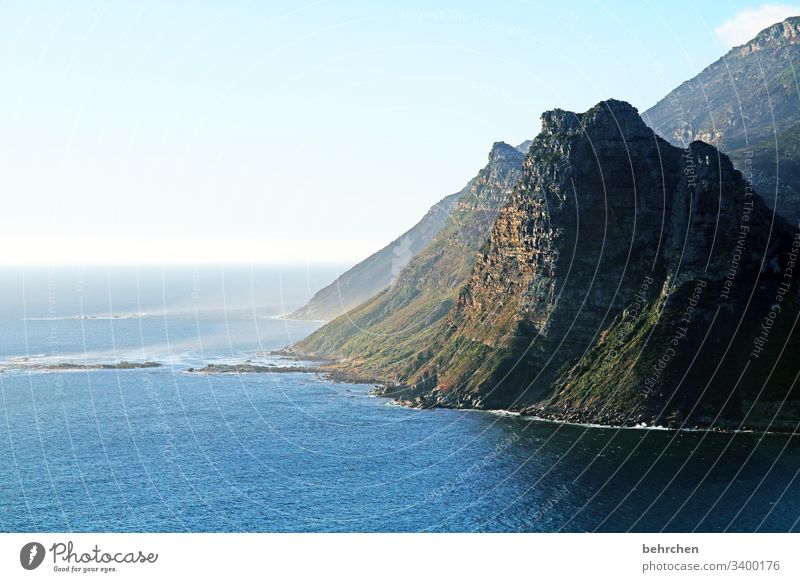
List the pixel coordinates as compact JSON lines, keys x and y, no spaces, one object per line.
{"x":69,"y":366}
{"x":249,"y":369}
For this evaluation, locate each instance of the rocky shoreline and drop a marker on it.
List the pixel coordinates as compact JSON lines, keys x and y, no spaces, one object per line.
{"x":421,"y":399}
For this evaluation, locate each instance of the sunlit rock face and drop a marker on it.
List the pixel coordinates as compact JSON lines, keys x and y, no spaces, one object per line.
{"x":748,"y":105}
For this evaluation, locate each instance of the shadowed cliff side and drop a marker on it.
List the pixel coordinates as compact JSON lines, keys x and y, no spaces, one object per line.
{"x":625,"y":281}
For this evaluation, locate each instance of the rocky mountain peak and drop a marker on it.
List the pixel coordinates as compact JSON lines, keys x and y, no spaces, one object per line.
{"x":559,"y":121}
{"x":609,"y":118}
{"x":615,"y":117}
{"x":502,"y":152}
{"x":786,"y":32}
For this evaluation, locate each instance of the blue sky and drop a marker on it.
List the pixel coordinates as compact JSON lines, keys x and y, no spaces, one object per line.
{"x":298,"y":132}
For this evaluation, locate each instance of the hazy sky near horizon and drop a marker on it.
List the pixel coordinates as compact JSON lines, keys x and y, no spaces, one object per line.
{"x":299,"y":132}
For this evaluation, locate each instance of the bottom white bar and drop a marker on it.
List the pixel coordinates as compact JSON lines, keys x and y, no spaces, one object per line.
{"x":372,"y":557}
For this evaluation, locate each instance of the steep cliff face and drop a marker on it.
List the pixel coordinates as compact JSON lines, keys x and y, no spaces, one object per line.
{"x":581,"y":232}
{"x":381,"y":337}
{"x":625,"y":281}
{"x":747,"y":104}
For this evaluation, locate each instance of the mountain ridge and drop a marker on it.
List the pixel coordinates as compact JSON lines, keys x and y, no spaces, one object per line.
{"x":553,"y":299}
{"x":745,"y":103}
{"x":387,"y":327}
{"x":369,"y":277}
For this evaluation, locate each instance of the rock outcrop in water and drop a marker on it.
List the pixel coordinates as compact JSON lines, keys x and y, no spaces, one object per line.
{"x":249,"y":368}
{"x":626,"y":281}
{"x":74,"y":367}
{"x":748,"y":104}
{"x":375,"y":273}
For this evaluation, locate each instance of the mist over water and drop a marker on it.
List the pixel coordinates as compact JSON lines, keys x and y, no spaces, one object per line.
{"x":62,"y":291}
{"x":161,"y":449}
{"x":143,"y":313}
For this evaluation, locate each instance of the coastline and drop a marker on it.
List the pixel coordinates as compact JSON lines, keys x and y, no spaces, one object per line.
{"x":411,"y":397}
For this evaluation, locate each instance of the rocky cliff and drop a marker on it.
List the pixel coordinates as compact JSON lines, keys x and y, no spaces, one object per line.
{"x":625,"y":281}
{"x":380,"y":336}
{"x":748,"y":104}
{"x":375,"y":273}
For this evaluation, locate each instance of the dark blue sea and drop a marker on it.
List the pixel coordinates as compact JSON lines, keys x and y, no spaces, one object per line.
{"x":163,"y":450}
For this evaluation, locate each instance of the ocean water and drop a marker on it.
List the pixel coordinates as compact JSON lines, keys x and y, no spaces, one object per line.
{"x":160,"y":449}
